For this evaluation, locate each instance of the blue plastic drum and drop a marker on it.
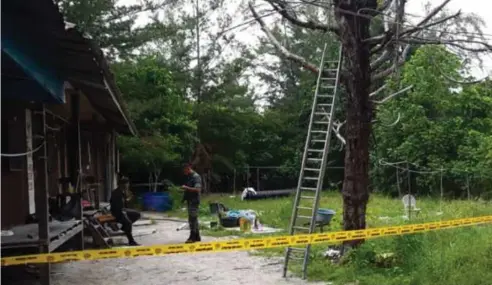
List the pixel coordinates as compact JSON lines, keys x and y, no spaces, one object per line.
{"x":157,"y":201}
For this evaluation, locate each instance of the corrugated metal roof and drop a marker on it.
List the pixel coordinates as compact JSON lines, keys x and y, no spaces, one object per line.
{"x":77,"y":59}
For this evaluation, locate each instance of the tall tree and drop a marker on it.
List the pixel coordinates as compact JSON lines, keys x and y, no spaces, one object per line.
{"x":113,"y":26}
{"x":368,"y":59}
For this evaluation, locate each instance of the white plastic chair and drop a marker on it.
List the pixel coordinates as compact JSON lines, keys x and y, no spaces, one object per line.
{"x":410,"y":204}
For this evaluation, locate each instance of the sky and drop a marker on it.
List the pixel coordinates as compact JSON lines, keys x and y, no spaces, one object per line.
{"x":249,"y":34}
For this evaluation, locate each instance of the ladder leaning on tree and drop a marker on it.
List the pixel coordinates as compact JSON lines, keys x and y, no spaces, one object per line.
{"x":314,"y":158}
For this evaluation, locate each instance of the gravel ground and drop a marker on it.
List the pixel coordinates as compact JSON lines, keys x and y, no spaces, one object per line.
{"x":209,"y":268}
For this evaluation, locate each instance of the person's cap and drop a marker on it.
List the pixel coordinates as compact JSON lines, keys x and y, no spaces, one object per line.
{"x":187,"y":165}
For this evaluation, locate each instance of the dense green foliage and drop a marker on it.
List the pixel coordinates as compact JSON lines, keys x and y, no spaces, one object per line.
{"x":442,"y":124}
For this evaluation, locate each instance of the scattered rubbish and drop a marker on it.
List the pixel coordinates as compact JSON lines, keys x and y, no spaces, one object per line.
{"x":332,"y":253}
{"x":184,"y":226}
{"x":143,"y":223}
{"x":248,"y":191}
{"x":242,"y":268}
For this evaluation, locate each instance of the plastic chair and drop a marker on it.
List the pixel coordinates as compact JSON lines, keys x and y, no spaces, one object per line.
{"x":410,"y":204}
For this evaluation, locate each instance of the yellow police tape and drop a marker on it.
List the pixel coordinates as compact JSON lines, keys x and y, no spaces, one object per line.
{"x":241,"y":244}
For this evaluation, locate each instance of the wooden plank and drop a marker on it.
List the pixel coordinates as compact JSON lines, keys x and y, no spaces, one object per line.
{"x":41,"y":192}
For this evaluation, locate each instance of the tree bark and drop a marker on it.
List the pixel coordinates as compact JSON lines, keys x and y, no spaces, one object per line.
{"x":353,"y":31}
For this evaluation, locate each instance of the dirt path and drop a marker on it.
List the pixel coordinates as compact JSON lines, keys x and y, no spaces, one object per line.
{"x":211,"y":268}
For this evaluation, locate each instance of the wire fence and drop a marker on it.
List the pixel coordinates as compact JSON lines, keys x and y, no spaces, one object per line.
{"x":392,"y":178}
{"x":402,"y":177}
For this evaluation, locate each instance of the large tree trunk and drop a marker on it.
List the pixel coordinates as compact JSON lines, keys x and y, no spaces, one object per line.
{"x":353,"y":30}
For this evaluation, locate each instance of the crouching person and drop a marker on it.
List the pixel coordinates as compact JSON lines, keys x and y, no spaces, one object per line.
{"x":191,"y":196}
{"x":126,"y":217}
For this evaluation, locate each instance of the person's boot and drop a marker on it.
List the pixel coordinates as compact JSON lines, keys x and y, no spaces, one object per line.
{"x":197,"y":236}
{"x":191,"y":238}
{"x":131,"y":240}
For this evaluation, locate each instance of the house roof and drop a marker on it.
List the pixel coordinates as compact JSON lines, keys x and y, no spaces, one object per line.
{"x":88,"y":70}
{"x":75,"y":58}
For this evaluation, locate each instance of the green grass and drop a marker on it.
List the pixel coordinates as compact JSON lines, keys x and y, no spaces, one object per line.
{"x":447,"y":257}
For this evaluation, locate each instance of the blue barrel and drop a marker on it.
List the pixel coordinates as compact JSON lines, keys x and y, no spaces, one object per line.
{"x":157,"y":201}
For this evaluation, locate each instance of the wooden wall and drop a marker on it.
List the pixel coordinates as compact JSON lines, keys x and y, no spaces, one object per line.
{"x":14,"y":191}
{"x":14,"y":186}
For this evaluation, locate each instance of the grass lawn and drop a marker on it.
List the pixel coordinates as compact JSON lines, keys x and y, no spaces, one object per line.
{"x":447,"y":257}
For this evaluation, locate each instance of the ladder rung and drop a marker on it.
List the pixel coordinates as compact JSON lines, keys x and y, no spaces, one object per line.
{"x":308,"y":197}
{"x":318,"y":132}
{"x":301,"y":228}
{"x":314,"y":159}
{"x":322,"y":122}
{"x":315,"y":150}
{"x":309,"y":189}
{"x":312,"y":169}
{"x":297,"y":249}
{"x":304,"y":217}
{"x":324,"y":96}
{"x":311,"y":178}
{"x":318,"y":141}
{"x":322,"y":113}
{"x":328,"y":78}
{"x":324,"y":105}
{"x":304,"y":208}
{"x":296,"y":258}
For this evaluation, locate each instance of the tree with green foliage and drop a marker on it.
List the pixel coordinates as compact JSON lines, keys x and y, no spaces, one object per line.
{"x":442,"y":125}
{"x":113,"y":26}
{"x":159,"y":111}
{"x":368,"y":60}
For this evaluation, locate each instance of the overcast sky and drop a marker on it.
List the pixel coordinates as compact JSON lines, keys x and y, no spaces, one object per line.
{"x":250,"y":33}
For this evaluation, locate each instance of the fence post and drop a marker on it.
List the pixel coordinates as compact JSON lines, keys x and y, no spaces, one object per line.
{"x":234,"y":183}
{"x":257,"y":179}
{"x":398,"y":182}
{"x":409,"y":192}
{"x":442,"y":192}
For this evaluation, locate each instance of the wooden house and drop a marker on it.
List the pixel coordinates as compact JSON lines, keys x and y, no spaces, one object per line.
{"x":60,"y":112}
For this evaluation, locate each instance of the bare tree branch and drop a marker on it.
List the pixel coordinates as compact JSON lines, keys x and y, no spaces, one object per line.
{"x":392,"y":124}
{"x":420,"y":28}
{"x":391,"y":69}
{"x":294,"y":57}
{"x":378,"y":62}
{"x":281,"y":8}
{"x":394,"y":94}
{"x":383,"y":39}
{"x":453,"y":42}
{"x":336,"y":128}
{"x":377,"y":91}
{"x":433,"y":13}
{"x":395,"y":122}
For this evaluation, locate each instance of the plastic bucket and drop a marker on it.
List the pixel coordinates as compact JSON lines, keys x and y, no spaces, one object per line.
{"x":324,"y":216}
{"x":157,"y":201}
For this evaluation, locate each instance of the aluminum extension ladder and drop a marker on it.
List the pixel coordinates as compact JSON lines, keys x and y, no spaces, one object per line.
{"x":303,"y":220}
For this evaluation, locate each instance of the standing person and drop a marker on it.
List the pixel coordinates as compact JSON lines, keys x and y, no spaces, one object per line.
{"x":123,"y":216}
{"x":191,"y":195}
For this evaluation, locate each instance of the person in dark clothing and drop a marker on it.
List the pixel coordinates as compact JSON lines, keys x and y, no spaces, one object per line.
{"x":191,"y":195}
{"x":124,"y":216}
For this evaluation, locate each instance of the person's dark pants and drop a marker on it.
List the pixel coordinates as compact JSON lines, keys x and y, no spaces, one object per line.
{"x":126,"y":218}
{"x":132,"y":215}
{"x":193,"y":220}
